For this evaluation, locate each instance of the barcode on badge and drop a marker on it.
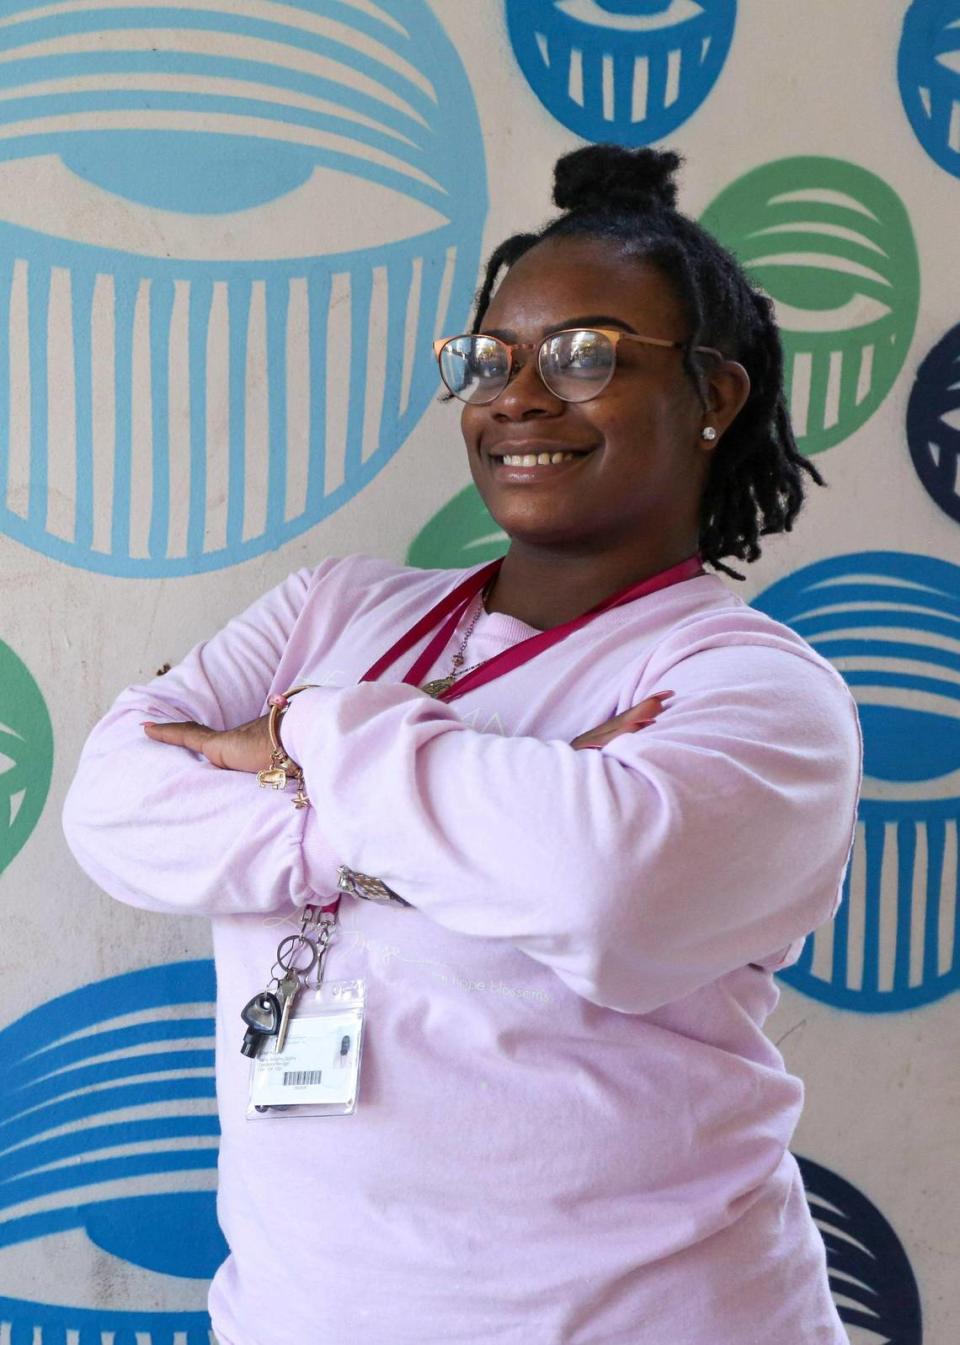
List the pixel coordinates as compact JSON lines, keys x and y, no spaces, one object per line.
{"x":297,"y":1077}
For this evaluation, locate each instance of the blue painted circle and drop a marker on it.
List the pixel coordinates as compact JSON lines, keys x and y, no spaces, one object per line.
{"x":629,"y":71}
{"x":928,"y":71}
{"x":215,"y":408}
{"x":933,"y":423}
{"x":890,"y":622}
{"x":108,"y":1125}
{"x":67,"y":1066}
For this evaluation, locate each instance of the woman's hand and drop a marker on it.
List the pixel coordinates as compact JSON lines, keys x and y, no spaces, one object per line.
{"x":637,"y":717}
{"x":245,"y":748}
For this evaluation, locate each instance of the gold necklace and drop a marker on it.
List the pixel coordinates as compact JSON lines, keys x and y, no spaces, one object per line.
{"x":441,"y":684}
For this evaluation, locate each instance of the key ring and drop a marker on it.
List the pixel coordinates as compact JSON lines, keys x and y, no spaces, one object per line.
{"x":288,"y":951}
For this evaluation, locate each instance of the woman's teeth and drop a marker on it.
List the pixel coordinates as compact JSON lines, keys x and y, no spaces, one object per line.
{"x":536,"y":459}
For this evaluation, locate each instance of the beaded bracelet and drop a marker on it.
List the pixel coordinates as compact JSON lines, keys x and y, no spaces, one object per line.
{"x":282,"y":768}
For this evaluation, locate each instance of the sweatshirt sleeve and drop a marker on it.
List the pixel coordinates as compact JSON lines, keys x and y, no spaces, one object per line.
{"x":157,"y":826}
{"x":638,"y":873}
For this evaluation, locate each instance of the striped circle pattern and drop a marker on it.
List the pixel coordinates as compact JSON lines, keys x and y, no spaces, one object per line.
{"x":26,"y":754}
{"x":170,"y":408}
{"x":928,"y":70}
{"x":933,"y":423}
{"x":833,"y":246}
{"x":108,"y":1120}
{"x":624,"y":70}
{"x":873,"y":1284}
{"x":890,"y":623}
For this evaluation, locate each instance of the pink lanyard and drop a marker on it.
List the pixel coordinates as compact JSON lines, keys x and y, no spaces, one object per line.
{"x":448,"y":612}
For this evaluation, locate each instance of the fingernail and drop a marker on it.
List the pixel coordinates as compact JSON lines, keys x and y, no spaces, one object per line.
{"x":147,"y":724}
{"x":662,"y":695}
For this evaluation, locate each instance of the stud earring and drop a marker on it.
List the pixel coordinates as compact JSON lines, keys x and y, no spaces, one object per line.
{"x":708,"y":433}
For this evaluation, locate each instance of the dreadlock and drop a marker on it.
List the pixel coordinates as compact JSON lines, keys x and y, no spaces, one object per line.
{"x":755,"y":485}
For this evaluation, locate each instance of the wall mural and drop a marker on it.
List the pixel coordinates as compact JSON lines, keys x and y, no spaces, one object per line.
{"x":933,"y":423}
{"x":141,"y":179}
{"x":928,"y":69}
{"x":833,"y":246}
{"x":624,"y":70}
{"x":108,"y":1124}
{"x":890,"y":623}
{"x":228,"y":236}
{"x":26,"y":754}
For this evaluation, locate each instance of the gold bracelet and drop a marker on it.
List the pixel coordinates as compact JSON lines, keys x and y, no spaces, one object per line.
{"x":282,"y":768}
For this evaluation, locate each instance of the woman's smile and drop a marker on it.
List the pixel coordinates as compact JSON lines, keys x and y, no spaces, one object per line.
{"x":526,"y":461}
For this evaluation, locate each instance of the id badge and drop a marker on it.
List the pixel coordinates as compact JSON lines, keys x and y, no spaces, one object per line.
{"x":318,"y":1071}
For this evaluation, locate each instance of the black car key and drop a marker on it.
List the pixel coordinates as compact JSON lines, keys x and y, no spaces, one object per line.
{"x":262,"y":1017}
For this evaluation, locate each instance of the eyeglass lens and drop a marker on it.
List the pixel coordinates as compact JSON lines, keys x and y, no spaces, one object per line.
{"x":574,"y":365}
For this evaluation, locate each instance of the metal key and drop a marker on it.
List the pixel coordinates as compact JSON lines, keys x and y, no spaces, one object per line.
{"x":287,"y":992}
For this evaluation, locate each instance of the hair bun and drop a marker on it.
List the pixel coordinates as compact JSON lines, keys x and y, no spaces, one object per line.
{"x":610,"y":175}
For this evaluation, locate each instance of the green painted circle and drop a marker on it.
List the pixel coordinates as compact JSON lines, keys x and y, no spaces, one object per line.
{"x":26,"y":754}
{"x":832,"y":245}
{"x":459,"y":535}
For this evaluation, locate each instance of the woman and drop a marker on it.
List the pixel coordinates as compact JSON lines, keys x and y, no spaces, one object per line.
{"x":571,"y":1125}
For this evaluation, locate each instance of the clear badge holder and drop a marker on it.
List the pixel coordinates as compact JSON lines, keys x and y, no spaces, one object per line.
{"x":318,"y":1071}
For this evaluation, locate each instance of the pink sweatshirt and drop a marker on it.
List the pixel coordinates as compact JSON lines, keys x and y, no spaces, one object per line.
{"x":572,"y":1129}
